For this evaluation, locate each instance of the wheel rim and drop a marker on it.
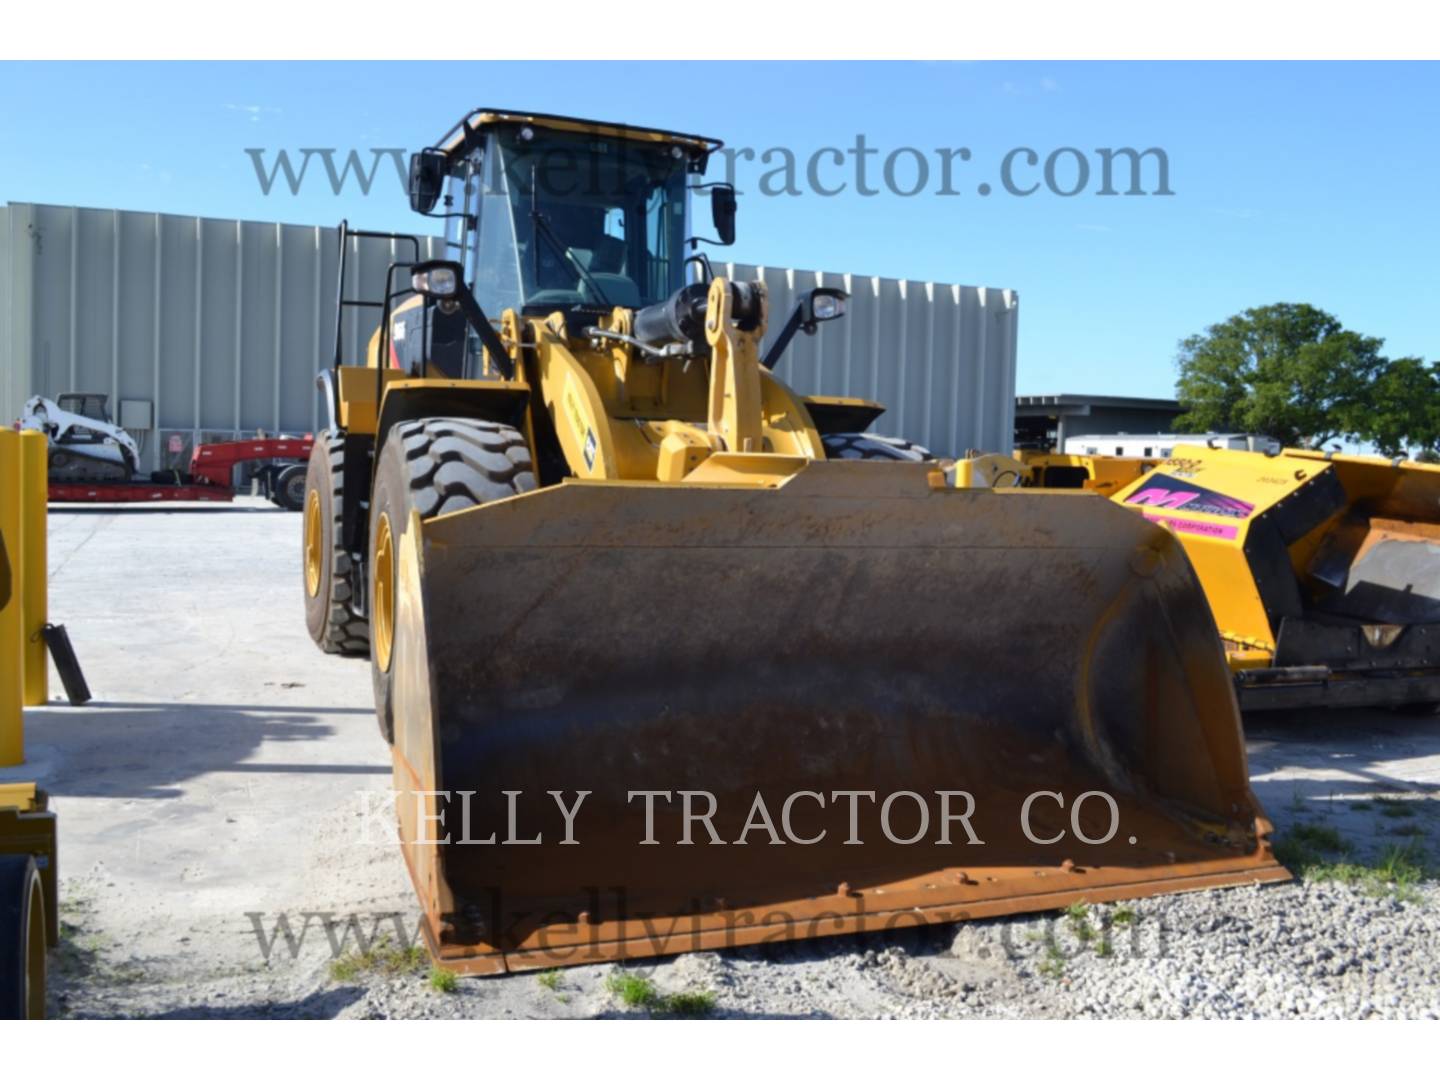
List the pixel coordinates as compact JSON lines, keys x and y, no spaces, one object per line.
{"x":384,"y":607}
{"x":314,"y":550}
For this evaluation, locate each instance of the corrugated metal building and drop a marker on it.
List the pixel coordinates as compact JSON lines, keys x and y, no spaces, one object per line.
{"x":206,"y":329}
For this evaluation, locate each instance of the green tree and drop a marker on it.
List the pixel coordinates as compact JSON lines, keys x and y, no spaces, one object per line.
{"x":1290,"y":371}
{"x":1404,"y":408}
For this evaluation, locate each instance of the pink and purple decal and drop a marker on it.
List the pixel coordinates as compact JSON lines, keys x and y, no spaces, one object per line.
{"x":1196,"y":528}
{"x":1169,"y":493}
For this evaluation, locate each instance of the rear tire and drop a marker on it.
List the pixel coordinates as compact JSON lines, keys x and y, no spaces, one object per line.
{"x":861,"y":447}
{"x":325,"y":564}
{"x":434,"y":466}
{"x":22,"y":939}
{"x":290,"y":487}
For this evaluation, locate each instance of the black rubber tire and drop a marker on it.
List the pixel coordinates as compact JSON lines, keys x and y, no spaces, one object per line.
{"x":332,"y":625}
{"x":438,"y":466}
{"x":865,"y":447}
{"x":22,"y":939}
{"x":290,"y":487}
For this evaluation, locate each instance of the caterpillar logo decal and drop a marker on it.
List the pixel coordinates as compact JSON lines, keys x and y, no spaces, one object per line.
{"x":578,"y":422}
{"x":1168,"y":493}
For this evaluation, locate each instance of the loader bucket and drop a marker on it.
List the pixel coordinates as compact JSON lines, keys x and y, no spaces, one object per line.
{"x":801,"y":653}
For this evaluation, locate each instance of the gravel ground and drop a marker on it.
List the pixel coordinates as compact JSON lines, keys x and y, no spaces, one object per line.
{"x":1312,"y":950}
{"x":217,"y":772}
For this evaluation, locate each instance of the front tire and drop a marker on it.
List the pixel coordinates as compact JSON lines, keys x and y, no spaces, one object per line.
{"x":862,"y":447}
{"x":325,"y":564}
{"x":433,"y":467}
{"x":22,"y":939}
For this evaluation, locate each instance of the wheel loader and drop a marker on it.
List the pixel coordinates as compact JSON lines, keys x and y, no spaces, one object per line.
{"x":672,"y":656}
{"x":1322,"y":569}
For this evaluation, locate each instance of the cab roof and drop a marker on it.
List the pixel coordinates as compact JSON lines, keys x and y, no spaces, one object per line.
{"x":460,"y":137}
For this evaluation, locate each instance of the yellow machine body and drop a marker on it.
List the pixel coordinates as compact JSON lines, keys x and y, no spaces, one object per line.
{"x":1100,"y":473}
{"x":615,"y":416}
{"x":1322,"y":570}
{"x":777,"y":679}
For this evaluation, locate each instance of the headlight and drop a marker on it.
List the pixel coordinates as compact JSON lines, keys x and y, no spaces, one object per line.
{"x":440,"y":282}
{"x":827,"y":307}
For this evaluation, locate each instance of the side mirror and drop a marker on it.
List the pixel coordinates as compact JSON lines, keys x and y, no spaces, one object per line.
{"x":427,"y":178}
{"x":722,"y":212}
{"x":438,"y":279}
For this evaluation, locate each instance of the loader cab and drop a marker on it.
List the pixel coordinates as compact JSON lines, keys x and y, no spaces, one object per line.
{"x":565,"y":219}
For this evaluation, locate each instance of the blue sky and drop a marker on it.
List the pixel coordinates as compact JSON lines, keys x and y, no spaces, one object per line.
{"x":1291,"y":181}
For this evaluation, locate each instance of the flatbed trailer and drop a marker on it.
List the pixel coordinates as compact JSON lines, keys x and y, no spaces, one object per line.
{"x":210,"y":476}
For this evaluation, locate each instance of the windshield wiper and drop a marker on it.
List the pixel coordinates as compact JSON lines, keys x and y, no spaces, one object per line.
{"x":543,"y":228}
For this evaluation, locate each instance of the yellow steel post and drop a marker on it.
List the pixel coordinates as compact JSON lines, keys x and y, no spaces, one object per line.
{"x":34,"y":613}
{"x":12,"y":579}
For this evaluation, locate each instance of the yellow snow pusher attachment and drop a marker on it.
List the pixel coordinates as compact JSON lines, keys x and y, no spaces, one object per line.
{"x":1323,"y":570}
{"x":666,"y":665}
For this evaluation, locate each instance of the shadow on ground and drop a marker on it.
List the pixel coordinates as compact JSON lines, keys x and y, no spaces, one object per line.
{"x":145,"y":751}
{"x":1372,"y":776}
{"x":64,"y":509}
{"x":317,"y":1005}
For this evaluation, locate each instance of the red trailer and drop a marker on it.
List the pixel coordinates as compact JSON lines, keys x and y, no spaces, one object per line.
{"x":210,"y":476}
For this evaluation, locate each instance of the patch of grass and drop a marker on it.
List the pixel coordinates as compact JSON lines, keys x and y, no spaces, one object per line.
{"x":384,"y":957}
{"x":1398,"y":870}
{"x":1104,"y":949}
{"x":638,"y":992}
{"x":1323,"y":837}
{"x":1411,"y":829}
{"x":1053,"y":966}
{"x":1364,"y":806}
{"x":635,"y":991}
{"x":1079,"y":919}
{"x":1403,"y":866}
{"x":1297,"y":804}
{"x":689,"y":1003}
{"x":1123,"y":916}
{"x":550,"y":980}
{"x":1394,"y":808}
{"x":1305,"y":844}
{"x":443,"y":981}
{"x":1078,"y":915}
{"x":347,"y":968}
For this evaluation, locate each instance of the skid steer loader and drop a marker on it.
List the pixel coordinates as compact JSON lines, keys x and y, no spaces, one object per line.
{"x":665,"y":663}
{"x":85,"y":444}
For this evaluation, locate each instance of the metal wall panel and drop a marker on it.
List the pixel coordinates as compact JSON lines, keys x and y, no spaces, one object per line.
{"x":941,"y":358}
{"x":221,"y":325}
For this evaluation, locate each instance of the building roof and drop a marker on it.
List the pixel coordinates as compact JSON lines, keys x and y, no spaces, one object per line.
{"x":1084,"y":402}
